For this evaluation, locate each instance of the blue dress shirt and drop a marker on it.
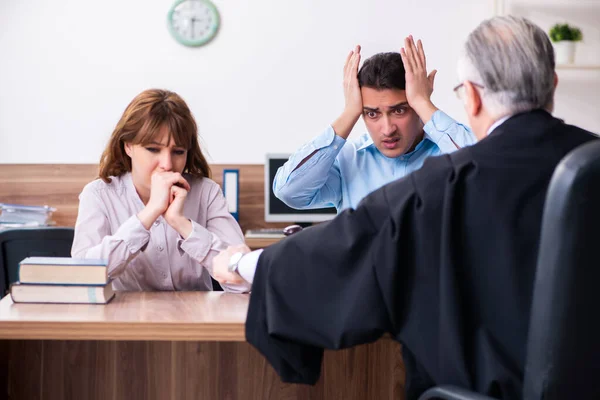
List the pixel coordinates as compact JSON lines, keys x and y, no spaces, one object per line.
{"x":343,"y":172}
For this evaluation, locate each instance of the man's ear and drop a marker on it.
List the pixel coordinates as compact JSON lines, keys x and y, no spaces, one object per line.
{"x":555,"y":80}
{"x":472,"y":99}
{"x":128,"y":147}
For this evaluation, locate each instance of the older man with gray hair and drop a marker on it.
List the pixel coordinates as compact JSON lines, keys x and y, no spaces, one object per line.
{"x":444,"y":259}
{"x":506,"y":68}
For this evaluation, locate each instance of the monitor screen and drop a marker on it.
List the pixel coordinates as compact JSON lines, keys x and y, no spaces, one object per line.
{"x":276,"y":210}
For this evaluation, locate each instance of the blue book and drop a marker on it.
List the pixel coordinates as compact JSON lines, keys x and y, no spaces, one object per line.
{"x":63,"y":271}
{"x":231,"y":191}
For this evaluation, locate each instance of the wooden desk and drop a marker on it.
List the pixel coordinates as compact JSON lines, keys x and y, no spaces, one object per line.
{"x":167,"y":345}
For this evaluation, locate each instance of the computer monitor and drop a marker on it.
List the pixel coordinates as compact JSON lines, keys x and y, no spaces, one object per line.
{"x":276,"y":210}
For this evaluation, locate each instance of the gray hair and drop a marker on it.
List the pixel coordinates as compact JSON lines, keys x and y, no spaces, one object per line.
{"x":514,"y":61}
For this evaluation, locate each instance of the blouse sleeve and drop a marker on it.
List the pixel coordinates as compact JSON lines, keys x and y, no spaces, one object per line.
{"x":221,"y":231}
{"x":94,"y":239}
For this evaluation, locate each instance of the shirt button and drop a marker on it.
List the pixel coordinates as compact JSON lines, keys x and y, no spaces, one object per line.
{"x":156,"y":223}
{"x":164,"y":275}
{"x":335,"y":147}
{"x":160,"y":248}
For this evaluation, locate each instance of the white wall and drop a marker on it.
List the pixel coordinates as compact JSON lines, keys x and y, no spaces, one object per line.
{"x":270,"y":81}
{"x":578,"y":92}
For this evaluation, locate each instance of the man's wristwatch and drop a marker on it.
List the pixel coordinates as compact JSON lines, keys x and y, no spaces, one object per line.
{"x":234,"y":261}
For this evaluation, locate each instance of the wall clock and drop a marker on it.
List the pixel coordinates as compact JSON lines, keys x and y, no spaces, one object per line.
{"x":193,"y":22}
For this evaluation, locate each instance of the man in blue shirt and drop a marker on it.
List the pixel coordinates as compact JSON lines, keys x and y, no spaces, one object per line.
{"x":392,"y":92}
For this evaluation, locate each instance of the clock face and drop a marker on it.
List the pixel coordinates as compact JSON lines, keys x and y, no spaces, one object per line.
{"x":193,"y":22}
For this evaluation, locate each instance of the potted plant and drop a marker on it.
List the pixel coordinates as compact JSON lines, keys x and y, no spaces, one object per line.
{"x":564,"y":37}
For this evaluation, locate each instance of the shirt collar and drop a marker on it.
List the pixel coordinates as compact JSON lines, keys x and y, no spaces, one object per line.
{"x":498,"y":123}
{"x":369,"y":142}
{"x":130,"y":188}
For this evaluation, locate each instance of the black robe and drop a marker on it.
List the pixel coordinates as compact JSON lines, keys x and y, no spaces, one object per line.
{"x":443,"y":260}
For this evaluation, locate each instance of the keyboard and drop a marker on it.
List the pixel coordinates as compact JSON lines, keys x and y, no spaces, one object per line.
{"x":265,"y":233}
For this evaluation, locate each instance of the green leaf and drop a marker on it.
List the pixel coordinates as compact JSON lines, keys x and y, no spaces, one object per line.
{"x":561,"y":32}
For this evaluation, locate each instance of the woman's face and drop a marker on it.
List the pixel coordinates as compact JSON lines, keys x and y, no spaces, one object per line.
{"x":155,"y":157}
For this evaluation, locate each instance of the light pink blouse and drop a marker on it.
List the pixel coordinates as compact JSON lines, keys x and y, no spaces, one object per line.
{"x":157,"y":259}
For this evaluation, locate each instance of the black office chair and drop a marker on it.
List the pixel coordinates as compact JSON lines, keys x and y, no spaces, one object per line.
{"x":17,"y":244}
{"x":216,"y":285}
{"x":563,"y":346}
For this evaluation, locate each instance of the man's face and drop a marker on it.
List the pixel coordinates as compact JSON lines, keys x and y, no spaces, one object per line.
{"x":478,"y":118}
{"x":393,"y":125}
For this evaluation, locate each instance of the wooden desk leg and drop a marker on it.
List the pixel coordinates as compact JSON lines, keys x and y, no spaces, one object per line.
{"x":4,"y":358}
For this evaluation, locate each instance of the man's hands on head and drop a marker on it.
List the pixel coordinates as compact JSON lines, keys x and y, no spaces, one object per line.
{"x":353,"y":100}
{"x":352,"y":97}
{"x":419,"y":85}
{"x":220,"y":265}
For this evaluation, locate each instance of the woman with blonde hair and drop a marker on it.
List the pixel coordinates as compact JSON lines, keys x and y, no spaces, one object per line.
{"x":154,"y":213}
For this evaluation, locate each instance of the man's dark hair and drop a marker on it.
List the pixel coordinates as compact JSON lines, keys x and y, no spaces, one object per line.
{"x":383,"y":71}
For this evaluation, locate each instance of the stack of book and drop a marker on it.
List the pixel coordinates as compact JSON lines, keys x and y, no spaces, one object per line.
{"x":62,"y":280}
{"x":18,"y":215}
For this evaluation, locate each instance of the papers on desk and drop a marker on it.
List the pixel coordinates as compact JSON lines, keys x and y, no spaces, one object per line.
{"x":265,"y":233}
{"x":22,"y":215}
